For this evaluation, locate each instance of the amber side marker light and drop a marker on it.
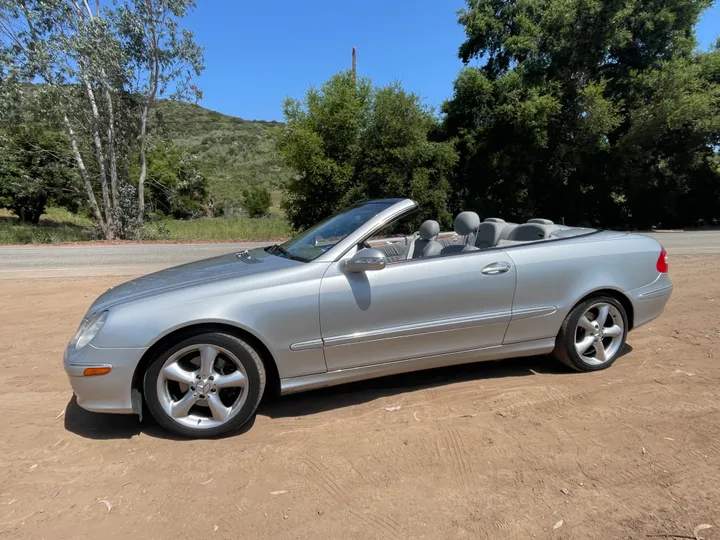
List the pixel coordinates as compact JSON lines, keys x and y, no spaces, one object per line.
{"x":92,"y":371}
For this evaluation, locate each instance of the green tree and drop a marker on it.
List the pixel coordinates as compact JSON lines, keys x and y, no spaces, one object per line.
{"x":35,"y":168}
{"x":176,"y":186}
{"x":61,"y":44}
{"x":350,"y":140}
{"x":589,"y":111}
{"x":101,"y":71}
{"x":257,"y":201}
{"x":163,"y":59}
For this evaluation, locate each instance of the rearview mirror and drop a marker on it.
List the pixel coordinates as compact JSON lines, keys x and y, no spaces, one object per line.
{"x":364,"y":260}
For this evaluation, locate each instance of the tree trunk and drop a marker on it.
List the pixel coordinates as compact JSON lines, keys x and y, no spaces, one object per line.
{"x":143,"y":164}
{"x":111,"y":127}
{"x":154,"y":76}
{"x":36,"y":208}
{"x":143,"y":150}
{"x":99,"y":153}
{"x":86,"y":179}
{"x":111,"y":150}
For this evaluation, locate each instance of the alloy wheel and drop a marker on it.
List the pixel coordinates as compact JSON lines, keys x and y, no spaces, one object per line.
{"x":599,"y":334}
{"x":202,"y":386}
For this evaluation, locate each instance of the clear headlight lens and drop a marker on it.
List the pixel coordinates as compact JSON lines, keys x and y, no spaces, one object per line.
{"x":89,"y":329}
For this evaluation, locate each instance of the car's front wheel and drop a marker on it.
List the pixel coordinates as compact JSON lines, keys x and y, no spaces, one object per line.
{"x":205,"y":386}
{"x":593,"y":334}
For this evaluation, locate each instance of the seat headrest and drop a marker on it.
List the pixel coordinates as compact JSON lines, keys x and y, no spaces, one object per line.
{"x":466,"y":223}
{"x":527,"y":232}
{"x":429,"y":230}
{"x":494,"y":220}
{"x":489,"y":233}
{"x":541,"y":221}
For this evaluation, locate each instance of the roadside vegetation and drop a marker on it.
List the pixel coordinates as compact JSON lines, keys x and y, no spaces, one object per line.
{"x":226,"y":228}
{"x":58,"y":225}
{"x":588,"y":112}
{"x":55,"y":226}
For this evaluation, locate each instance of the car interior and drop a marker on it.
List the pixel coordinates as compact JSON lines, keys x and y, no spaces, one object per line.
{"x":470,"y":234}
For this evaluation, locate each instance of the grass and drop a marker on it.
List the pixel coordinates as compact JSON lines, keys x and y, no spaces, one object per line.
{"x":231,"y":229}
{"x":58,"y":225}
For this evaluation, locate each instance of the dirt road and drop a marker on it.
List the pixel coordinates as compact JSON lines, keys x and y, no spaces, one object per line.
{"x":502,"y":450}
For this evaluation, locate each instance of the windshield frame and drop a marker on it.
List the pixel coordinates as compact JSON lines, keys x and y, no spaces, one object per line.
{"x":394,"y":209}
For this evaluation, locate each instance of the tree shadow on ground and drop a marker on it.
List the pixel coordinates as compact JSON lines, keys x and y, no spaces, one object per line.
{"x":112,"y":426}
{"x":44,"y":223}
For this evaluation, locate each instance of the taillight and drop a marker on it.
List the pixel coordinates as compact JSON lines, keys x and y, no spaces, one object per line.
{"x":662,"y":262}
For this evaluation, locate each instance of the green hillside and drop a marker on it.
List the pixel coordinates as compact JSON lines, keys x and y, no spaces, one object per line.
{"x":233,"y":152}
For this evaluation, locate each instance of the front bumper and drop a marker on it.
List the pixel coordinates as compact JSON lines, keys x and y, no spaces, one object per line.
{"x":109,"y":393}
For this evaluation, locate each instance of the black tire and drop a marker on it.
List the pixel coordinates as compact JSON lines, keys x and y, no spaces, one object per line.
{"x":565,"y":350}
{"x":243,"y":351}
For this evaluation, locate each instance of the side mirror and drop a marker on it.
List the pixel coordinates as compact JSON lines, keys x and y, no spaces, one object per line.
{"x":364,"y":260}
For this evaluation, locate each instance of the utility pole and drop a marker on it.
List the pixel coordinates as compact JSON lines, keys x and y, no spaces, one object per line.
{"x":354,"y":64}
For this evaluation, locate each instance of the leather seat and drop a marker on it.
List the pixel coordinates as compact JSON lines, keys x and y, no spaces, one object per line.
{"x":491,"y":231}
{"x":393,"y":252}
{"x":428,"y":232}
{"x":467,"y":225}
{"x":528,"y":232}
{"x":541,"y":221}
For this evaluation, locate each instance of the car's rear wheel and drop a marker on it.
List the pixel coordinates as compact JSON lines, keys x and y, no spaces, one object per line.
{"x":593,"y":334}
{"x":205,"y":386}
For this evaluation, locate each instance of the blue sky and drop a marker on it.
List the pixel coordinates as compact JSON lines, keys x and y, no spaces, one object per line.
{"x":258,"y":53}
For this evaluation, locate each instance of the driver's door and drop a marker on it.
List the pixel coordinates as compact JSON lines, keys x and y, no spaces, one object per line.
{"x":416,"y":308}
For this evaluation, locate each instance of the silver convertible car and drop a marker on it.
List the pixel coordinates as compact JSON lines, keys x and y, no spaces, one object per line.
{"x":352,"y":298}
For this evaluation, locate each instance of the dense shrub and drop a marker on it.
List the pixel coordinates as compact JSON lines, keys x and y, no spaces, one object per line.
{"x":257,"y":200}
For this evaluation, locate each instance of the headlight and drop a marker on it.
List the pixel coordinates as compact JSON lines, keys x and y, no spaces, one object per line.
{"x":89,"y":329}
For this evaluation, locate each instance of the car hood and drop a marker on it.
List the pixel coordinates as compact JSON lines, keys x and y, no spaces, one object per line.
{"x":223,"y":267}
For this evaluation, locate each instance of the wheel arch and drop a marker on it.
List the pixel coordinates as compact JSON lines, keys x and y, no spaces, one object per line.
{"x":272,"y":384}
{"x":618,"y":295}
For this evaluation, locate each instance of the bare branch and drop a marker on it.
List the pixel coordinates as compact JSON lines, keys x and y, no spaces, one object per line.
{"x":78,"y":8}
{"x":23,"y":5}
{"x":87,"y":7}
{"x":11,"y":34}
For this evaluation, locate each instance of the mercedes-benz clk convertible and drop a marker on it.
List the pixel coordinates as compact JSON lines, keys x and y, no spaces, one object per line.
{"x":358,"y":296}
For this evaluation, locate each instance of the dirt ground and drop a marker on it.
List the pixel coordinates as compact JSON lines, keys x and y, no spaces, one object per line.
{"x":507,"y":449}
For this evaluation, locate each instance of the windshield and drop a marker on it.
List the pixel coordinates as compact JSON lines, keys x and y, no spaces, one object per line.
{"x":312,"y":243}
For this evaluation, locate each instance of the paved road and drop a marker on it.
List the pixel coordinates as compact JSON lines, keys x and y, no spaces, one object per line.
{"x":689,"y":243}
{"x":99,"y":260}
{"x":126,"y":260}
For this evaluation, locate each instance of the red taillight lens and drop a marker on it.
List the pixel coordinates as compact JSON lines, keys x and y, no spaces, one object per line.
{"x":662,"y":262}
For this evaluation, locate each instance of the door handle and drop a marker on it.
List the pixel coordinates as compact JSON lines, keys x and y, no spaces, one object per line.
{"x":496,"y":268}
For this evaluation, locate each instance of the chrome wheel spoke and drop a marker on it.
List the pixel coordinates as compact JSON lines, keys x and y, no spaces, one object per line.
{"x":584,"y":345}
{"x":196,"y":403}
{"x":174,"y":372}
{"x":219,"y":411}
{"x":602,"y":342}
{"x":208,"y":354}
{"x":234,"y":380}
{"x":586,"y":324}
{"x":614,"y":331}
{"x":182,"y":407}
{"x":603,"y":311}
